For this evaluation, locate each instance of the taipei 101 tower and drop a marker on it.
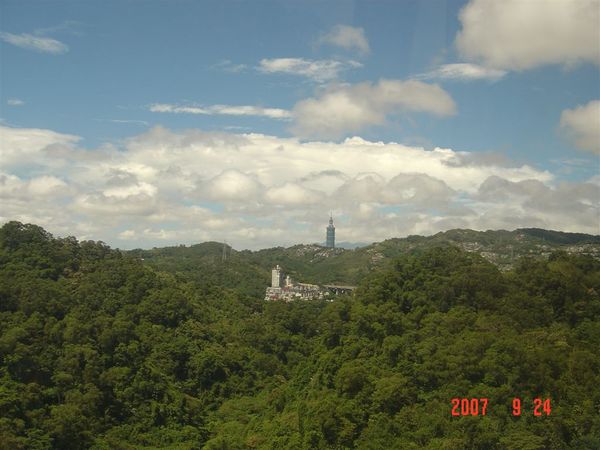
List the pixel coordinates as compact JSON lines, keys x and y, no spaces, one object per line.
{"x":330,"y":241}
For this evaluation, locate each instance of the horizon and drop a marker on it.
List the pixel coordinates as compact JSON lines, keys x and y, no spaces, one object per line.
{"x":153,"y":125}
{"x":344,"y":245}
{"x":356,"y":245}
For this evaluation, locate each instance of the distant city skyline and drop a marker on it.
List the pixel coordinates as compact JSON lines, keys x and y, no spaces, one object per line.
{"x":157,"y":123}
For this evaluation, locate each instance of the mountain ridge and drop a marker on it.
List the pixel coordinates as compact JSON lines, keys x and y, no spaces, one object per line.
{"x":315,"y":263}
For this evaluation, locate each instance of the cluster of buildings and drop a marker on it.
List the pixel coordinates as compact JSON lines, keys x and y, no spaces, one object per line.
{"x":285,"y":289}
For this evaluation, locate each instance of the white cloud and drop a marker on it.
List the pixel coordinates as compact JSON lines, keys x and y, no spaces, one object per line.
{"x":582,"y":125}
{"x":418,"y":188}
{"x":243,"y":110}
{"x":519,"y":35}
{"x":127,"y":234}
{"x":348,"y":109}
{"x":533,"y":203}
{"x":348,"y":38}
{"x":128,"y":190}
{"x":166,"y":187}
{"x":102,"y":207}
{"x":32,"y":42}
{"x":46,"y":185}
{"x":326,"y":181}
{"x":129,"y":121}
{"x":15,"y":102}
{"x":167,"y":108}
{"x":20,"y":146}
{"x":232,"y":185}
{"x":12,"y":186}
{"x":320,"y":70}
{"x":463,"y":72}
{"x":292,"y":194}
{"x":272,"y":113}
{"x":363,"y":187}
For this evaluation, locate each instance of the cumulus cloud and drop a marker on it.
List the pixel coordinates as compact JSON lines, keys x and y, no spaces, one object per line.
{"x":33,"y":42}
{"x":318,"y":70}
{"x":535,"y":204}
{"x":241,"y":110}
{"x":418,"y":188}
{"x":348,"y":38}
{"x":43,"y":186}
{"x":519,"y":35}
{"x":232,"y":185}
{"x":348,"y":109}
{"x":292,"y":194}
{"x":325,"y":181}
{"x":103,"y":206}
{"x":582,"y":125}
{"x":165,"y":187}
{"x":363,"y":187}
{"x":129,"y":190}
{"x":25,"y":145}
{"x":463,"y":72}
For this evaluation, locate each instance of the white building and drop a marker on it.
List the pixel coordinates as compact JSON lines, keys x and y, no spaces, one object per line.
{"x":284,"y":288}
{"x":277,"y":277}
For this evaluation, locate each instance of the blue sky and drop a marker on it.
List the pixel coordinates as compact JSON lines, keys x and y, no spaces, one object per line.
{"x":145,"y":91}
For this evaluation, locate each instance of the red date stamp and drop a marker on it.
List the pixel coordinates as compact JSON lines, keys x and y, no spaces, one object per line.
{"x":540,"y":407}
{"x":479,"y":407}
{"x":469,"y":406}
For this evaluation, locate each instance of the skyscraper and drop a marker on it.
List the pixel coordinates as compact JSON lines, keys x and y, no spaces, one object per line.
{"x":330,"y":241}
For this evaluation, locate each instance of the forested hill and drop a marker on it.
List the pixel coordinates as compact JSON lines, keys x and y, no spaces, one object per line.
{"x":206,"y":262}
{"x":100,"y":351}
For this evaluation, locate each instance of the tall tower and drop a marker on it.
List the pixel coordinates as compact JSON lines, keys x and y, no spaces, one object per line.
{"x":330,"y":241}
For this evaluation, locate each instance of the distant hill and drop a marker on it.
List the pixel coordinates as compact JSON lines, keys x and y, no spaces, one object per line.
{"x":210,"y":264}
{"x":560,"y":237}
{"x":347,"y":245}
{"x":250,"y":270}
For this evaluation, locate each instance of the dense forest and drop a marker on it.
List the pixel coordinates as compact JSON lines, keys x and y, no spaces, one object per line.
{"x":101,"y":350}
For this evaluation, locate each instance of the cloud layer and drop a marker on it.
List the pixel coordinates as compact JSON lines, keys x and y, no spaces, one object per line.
{"x":464,"y":72}
{"x":318,"y":70}
{"x":33,"y":42}
{"x":239,"y":110}
{"x":164,"y":187}
{"x":339,"y":110}
{"x":519,"y":35}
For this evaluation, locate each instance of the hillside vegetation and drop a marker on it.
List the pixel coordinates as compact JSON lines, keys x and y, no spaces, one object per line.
{"x":101,"y":350}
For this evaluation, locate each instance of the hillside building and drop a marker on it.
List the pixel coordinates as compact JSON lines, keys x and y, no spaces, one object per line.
{"x":284,"y":288}
{"x":276,"y":277}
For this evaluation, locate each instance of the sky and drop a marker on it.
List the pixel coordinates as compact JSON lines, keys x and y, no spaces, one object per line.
{"x":155,"y":123}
